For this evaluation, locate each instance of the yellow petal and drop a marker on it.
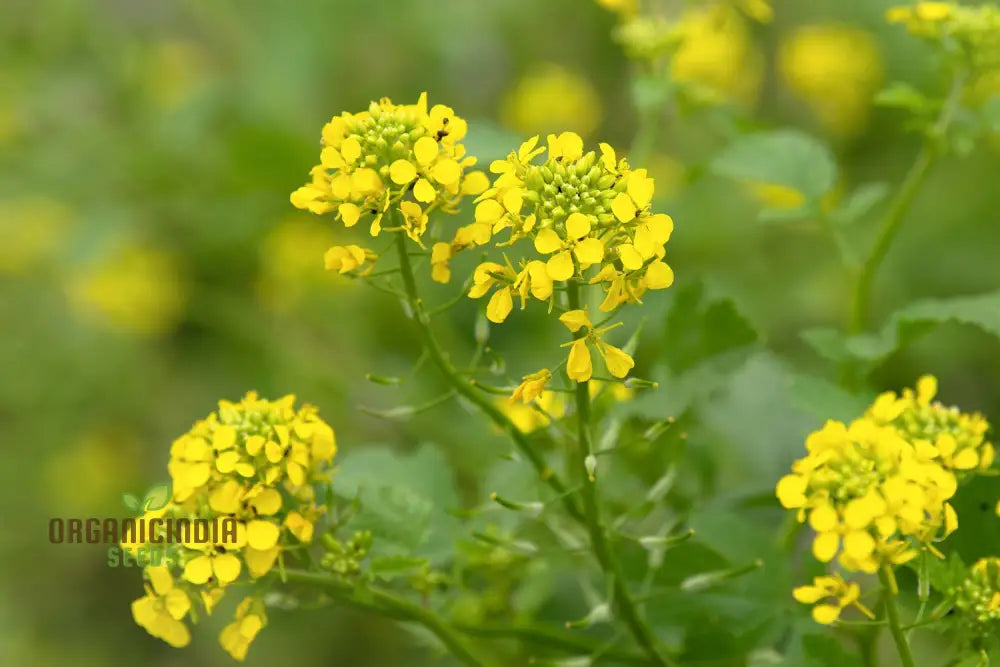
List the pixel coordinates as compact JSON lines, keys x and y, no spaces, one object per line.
{"x":575,"y":319}
{"x":267,"y":502}
{"x":500,"y":305}
{"x":262,"y":535}
{"x":560,"y":266}
{"x":226,"y":567}
{"x":423,"y":191}
{"x":808,"y":594}
{"x":825,"y":613}
{"x":224,"y":437}
{"x":350,"y":148}
{"x":631,"y":259}
{"x":402,"y":172}
{"x":640,"y":188}
{"x":446,"y":172}
{"x":619,"y":363}
{"x":577,"y":226}
{"x":425,"y":150}
{"x":589,"y":251}
{"x":198,"y":570}
{"x":623,"y":207}
{"x":823,"y":518}
{"x":825,"y":546}
{"x":474,"y":183}
{"x":547,"y":241}
{"x":259,"y":562}
{"x":579,"y":367}
{"x":659,"y":276}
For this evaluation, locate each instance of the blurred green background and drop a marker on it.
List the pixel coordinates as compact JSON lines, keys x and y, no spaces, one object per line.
{"x":151,"y":263}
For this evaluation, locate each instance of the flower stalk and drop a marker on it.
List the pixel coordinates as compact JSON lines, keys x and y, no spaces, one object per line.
{"x":623,"y":602}
{"x":469,"y":391}
{"x":888,"y":581}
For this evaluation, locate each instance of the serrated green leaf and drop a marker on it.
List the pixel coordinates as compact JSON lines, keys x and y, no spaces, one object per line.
{"x":131,"y":502}
{"x":698,"y":328}
{"x":859,"y":203}
{"x":982,"y":311}
{"x":783,"y":157}
{"x":405,"y":499}
{"x":157,"y":496}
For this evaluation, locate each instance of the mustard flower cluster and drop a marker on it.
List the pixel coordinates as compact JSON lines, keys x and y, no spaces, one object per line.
{"x":404,"y":158}
{"x":588,"y":218}
{"x":954,"y":439}
{"x":589,"y":221}
{"x":977,"y":598}
{"x":253,"y":462}
{"x":971,"y":30}
{"x":876,"y":491}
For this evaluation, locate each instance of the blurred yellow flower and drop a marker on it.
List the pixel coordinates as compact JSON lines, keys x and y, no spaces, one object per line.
{"x":717,"y":56}
{"x":624,"y":7}
{"x":777,"y":196}
{"x":136,"y":289}
{"x":288,"y":262}
{"x":550,"y":97}
{"x":174,"y":70}
{"x":835,"y":70}
{"x":32,"y":228}
{"x":89,"y":473}
{"x":536,"y":414}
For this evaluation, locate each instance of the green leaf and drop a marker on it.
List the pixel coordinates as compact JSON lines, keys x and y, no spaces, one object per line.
{"x":859,"y":203}
{"x":990,"y":113}
{"x":900,"y":95}
{"x":783,"y":157}
{"x":945,"y":573}
{"x":388,"y":568}
{"x":827,"y":651}
{"x":982,"y":311}
{"x":405,"y":499}
{"x":157,"y":496}
{"x":698,"y":328}
{"x":131,"y":503}
{"x":826,"y":400}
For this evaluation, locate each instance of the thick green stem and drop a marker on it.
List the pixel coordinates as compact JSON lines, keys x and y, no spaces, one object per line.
{"x":469,"y":391}
{"x":388,"y":604}
{"x":900,"y":206}
{"x":888,"y":581}
{"x":623,"y":602}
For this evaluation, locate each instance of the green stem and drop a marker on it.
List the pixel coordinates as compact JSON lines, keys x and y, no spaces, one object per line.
{"x":900,"y":206}
{"x":468,"y":390}
{"x":888,"y":581}
{"x":553,"y":638}
{"x":388,"y":604}
{"x":622,"y":599}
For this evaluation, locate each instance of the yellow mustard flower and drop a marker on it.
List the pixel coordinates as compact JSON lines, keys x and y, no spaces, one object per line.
{"x":973,"y":31}
{"x":580,"y":210}
{"x":717,"y":56}
{"x":33,"y":228}
{"x":288,"y":260}
{"x":236,"y":637}
{"x":844,"y":595}
{"x":137,"y":289}
{"x":403,"y":157}
{"x":528,"y":417}
{"x":252,"y":462}
{"x":532,"y":386}
{"x":950,"y":438}
{"x":349,"y":258}
{"x":160,"y":611}
{"x":550,"y":97}
{"x":835,"y":69}
{"x":579,"y":366}
{"x":868,"y":495}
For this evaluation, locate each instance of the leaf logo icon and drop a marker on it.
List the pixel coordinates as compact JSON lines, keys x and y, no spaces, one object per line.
{"x":157,"y":496}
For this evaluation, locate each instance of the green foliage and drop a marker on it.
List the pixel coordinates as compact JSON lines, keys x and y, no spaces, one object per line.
{"x":782,"y":157}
